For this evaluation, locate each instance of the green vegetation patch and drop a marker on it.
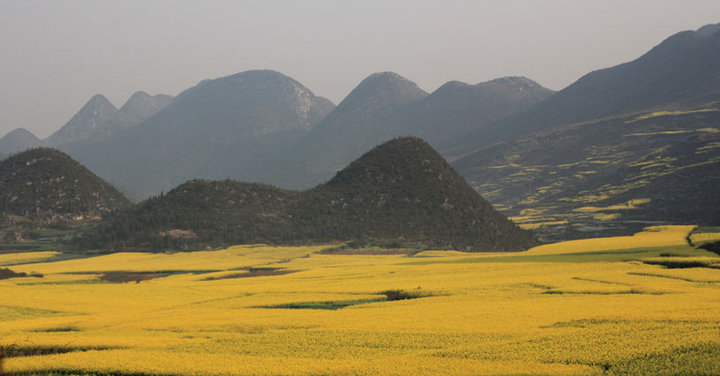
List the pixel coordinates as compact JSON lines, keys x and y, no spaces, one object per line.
{"x":706,"y":230}
{"x":671,"y":277}
{"x":390,"y":295}
{"x":254,"y":272}
{"x":59,"y":329}
{"x":14,"y":351}
{"x":712,"y":247}
{"x":683,"y":264}
{"x":351,"y":249}
{"x":119,"y":276}
{"x":6,"y":273}
{"x":328,"y":305}
{"x":632,"y":254}
{"x":623,"y":292}
{"x":124,"y":277}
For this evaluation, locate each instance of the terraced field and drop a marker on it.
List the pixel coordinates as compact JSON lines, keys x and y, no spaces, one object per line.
{"x":606,"y":177}
{"x":644,"y":304}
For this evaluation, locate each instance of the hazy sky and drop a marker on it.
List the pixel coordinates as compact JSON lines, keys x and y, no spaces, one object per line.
{"x":56,"y":54}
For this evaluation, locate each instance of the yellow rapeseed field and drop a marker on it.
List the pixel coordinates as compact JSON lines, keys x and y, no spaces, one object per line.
{"x":643,"y":304}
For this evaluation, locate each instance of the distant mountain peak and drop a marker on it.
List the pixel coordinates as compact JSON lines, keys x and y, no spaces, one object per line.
{"x":94,"y":117}
{"x":142,"y":105}
{"x":383,"y":89}
{"x":99,"y":100}
{"x":17,"y":140}
{"x":21,"y":133}
{"x":259,"y":91}
{"x":385,"y":80}
{"x":452,"y":85}
{"x":387,"y":75}
{"x":515,"y":80}
{"x":139,"y":96}
{"x":373,"y":167}
{"x":261,"y":80}
{"x":519,"y":83}
{"x":708,"y":30}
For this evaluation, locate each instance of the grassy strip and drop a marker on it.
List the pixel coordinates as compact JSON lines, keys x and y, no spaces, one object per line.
{"x":18,"y":351}
{"x":254,"y":272}
{"x":633,"y":254}
{"x":390,"y":295}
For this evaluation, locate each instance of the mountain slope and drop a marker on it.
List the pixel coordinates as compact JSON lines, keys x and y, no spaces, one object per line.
{"x":682,"y":70}
{"x":606,"y":177}
{"x":18,"y":140}
{"x":47,"y":185}
{"x":228,"y":127}
{"x":96,"y":119}
{"x":401,"y":192}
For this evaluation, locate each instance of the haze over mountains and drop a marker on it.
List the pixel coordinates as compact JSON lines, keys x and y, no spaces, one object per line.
{"x":507,"y":136}
{"x":99,"y":119}
{"x":96,"y":120}
{"x":681,"y":70}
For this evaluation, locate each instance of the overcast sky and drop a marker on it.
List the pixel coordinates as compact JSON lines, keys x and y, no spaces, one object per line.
{"x":55,"y":55}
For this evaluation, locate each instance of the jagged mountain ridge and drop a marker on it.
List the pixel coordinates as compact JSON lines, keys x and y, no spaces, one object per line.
{"x":232,"y":126}
{"x":264,"y":126}
{"x":401,"y":192}
{"x":457,"y":108}
{"x":99,"y":119}
{"x":358,"y":123}
{"x":387,"y":105}
{"x":141,"y":106}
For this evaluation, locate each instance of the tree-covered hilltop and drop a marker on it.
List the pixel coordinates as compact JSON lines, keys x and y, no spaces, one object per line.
{"x":46,"y":185}
{"x":401,"y":193}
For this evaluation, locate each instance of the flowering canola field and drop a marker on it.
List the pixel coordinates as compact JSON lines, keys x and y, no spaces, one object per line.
{"x":645,"y":304}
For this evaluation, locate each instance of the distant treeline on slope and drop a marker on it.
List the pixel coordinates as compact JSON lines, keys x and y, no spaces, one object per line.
{"x":401,"y":193}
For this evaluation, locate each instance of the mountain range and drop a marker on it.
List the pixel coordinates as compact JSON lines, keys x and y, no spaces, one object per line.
{"x":387,"y":105}
{"x":680,"y":71}
{"x":510,"y":137}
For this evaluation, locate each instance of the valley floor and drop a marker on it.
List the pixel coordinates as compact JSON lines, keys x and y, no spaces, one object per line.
{"x":646,"y":304}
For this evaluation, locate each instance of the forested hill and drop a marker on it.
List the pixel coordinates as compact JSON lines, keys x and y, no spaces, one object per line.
{"x":401,"y":193}
{"x":47,"y":185}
